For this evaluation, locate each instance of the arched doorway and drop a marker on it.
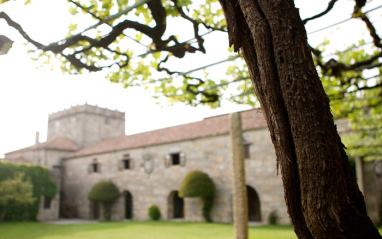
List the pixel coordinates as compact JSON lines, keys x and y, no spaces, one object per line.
{"x":254,"y":213}
{"x":175,"y":206}
{"x":128,"y":205}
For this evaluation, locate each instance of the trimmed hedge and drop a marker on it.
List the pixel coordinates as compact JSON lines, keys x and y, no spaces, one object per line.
{"x":198,"y":184}
{"x":105,"y":192}
{"x":42,"y":185}
{"x":154,"y":213}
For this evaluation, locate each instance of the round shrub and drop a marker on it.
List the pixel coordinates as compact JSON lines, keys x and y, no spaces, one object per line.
{"x":197,"y":184}
{"x":104,"y":192}
{"x":272,"y":218}
{"x":154,"y":212}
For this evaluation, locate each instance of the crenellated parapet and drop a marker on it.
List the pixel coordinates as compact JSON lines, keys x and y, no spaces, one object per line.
{"x":89,"y":109}
{"x":86,"y":124}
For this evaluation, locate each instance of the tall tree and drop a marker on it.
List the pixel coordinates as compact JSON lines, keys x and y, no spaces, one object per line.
{"x":320,"y":191}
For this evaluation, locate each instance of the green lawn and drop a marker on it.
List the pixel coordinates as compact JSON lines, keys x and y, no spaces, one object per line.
{"x":137,"y":230}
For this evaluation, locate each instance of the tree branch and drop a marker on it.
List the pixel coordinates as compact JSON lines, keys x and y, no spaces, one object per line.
{"x":330,"y":7}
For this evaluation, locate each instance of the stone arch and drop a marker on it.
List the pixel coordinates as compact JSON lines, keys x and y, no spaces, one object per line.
{"x":128,"y":205}
{"x":254,"y":209}
{"x":175,"y":206}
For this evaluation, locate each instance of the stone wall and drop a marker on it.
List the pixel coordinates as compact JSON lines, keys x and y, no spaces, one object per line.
{"x":86,"y":124}
{"x":151,"y":182}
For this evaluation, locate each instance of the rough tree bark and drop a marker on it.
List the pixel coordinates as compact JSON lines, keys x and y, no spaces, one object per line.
{"x":240,"y":202}
{"x":321,"y":193}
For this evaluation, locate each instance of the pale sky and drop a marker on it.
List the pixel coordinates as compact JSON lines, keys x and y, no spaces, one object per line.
{"x":27,"y":95}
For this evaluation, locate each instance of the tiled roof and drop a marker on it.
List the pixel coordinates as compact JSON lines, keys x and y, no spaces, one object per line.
{"x":57,"y":143}
{"x":18,"y":160}
{"x":212,"y":126}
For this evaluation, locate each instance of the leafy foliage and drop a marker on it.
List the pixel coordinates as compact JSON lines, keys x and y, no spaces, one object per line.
{"x":356,"y":95}
{"x":130,"y":42}
{"x":15,"y":192}
{"x":272,"y":218}
{"x":133,"y":45}
{"x":207,"y":205}
{"x":105,"y":191}
{"x":198,"y":184}
{"x":154,"y":213}
{"x":42,"y":185}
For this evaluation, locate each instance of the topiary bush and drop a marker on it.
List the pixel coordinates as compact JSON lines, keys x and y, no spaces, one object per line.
{"x":105,"y":192}
{"x":154,"y":213}
{"x":198,"y":184}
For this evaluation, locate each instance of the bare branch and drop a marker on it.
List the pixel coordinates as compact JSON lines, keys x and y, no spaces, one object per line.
{"x":330,"y":7}
{"x":20,"y":30}
{"x":373,"y":33}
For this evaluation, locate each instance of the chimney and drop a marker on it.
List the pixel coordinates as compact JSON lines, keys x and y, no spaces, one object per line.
{"x":37,"y":138}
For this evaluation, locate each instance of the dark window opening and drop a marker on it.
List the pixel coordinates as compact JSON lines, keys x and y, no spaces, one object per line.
{"x":47,"y":202}
{"x":95,"y":168}
{"x":126,"y":163}
{"x":175,"y":159}
{"x":106,"y":120}
{"x":247,"y":153}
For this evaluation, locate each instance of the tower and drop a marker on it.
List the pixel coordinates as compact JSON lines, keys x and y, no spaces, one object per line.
{"x":86,"y":124}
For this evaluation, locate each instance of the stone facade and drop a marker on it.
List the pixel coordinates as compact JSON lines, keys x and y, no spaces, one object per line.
{"x":149,"y":181}
{"x":86,"y":145}
{"x":86,"y":124}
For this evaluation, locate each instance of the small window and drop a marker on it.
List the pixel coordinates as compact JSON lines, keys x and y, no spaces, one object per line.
{"x":175,"y":159}
{"x":95,"y":168}
{"x":126,"y":164}
{"x":247,"y":153}
{"x":106,"y":120}
{"x":47,"y":202}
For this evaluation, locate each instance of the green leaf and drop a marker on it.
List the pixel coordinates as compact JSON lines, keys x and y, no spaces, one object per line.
{"x":73,"y":10}
{"x":72,"y":27}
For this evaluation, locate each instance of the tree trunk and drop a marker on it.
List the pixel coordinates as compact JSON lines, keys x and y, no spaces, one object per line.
{"x":240,"y":203}
{"x":2,"y":215}
{"x":321,"y":193}
{"x":107,"y":211}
